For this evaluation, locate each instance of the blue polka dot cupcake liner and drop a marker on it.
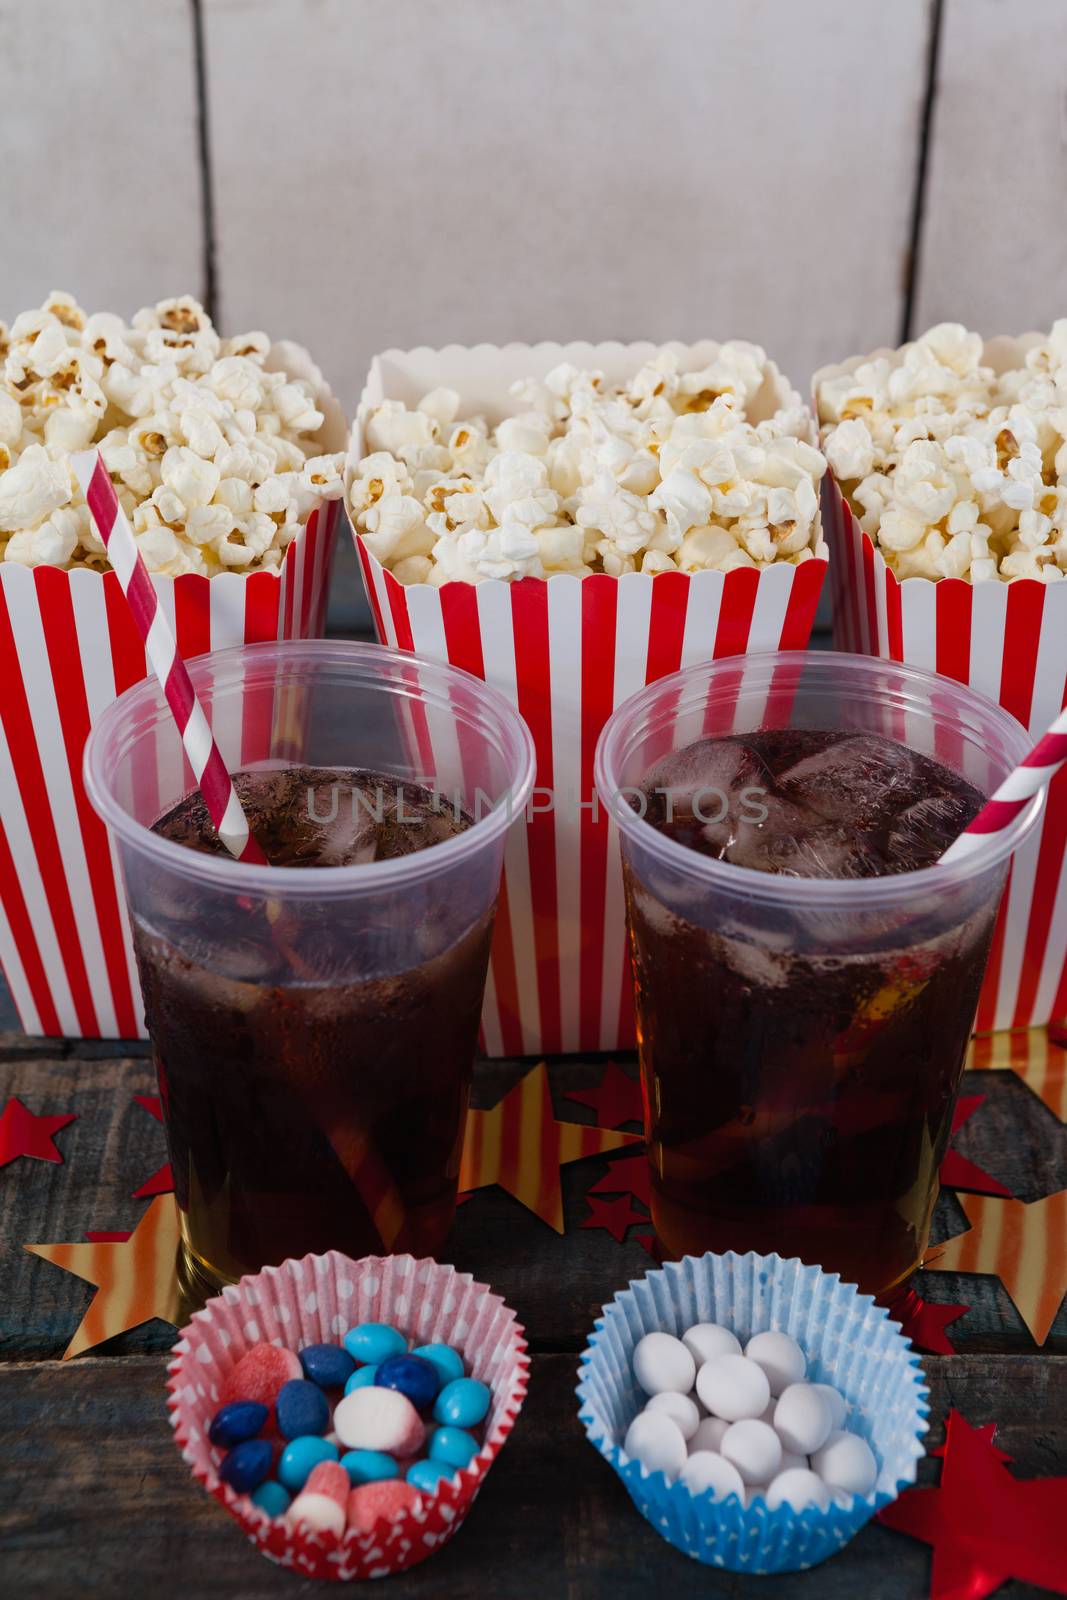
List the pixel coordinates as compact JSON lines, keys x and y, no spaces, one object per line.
{"x":849,"y":1342}
{"x":316,"y":1301}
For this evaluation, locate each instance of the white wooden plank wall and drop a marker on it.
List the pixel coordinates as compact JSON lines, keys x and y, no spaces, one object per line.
{"x":422,"y":171}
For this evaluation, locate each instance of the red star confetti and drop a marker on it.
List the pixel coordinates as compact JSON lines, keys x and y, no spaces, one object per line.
{"x":134,"y":1275}
{"x":1025,"y":1246}
{"x":629,"y":1175}
{"x":924,"y":1322}
{"x":616,"y":1216}
{"x":647,"y":1241}
{"x":22,"y":1133}
{"x":959,"y":1173}
{"x":520,"y":1146}
{"x":984,"y":1524}
{"x":615,"y":1100}
{"x":162,"y":1181}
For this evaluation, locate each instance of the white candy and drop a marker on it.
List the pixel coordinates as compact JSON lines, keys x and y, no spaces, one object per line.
{"x":709,"y":1434}
{"x":663,"y":1363}
{"x":803,"y":1418}
{"x":653,"y":1439}
{"x":680,"y":1408}
{"x":838,"y":1408}
{"x":781,"y":1358}
{"x":380,"y":1419}
{"x":706,"y":1470}
{"x":734,"y":1387}
{"x":846,"y":1462}
{"x":318,"y":1513}
{"x":754,"y":1449}
{"x":798,"y":1488}
{"x":706,"y":1339}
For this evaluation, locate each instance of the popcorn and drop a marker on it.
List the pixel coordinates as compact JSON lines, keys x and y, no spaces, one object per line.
{"x":211,"y":452}
{"x":955,"y":470}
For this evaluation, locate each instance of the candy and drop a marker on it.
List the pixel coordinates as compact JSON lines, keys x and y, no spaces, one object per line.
{"x":379,"y":1419}
{"x":241,"y":1419}
{"x":680,"y":1408}
{"x":463,"y":1403}
{"x":733,"y":1387}
{"x":327,"y":1365}
{"x":454,"y":1446}
{"x":781,"y":1358}
{"x":798,"y":1488}
{"x":427,"y":1476}
{"x":362,"y":1378}
{"x":838,"y":1408}
{"x":709,"y":1434}
{"x":449,"y":1362}
{"x":300,"y":1457}
{"x":260,"y":1374}
{"x":374,"y":1502}
{"x":663,"y":1363}
{"x":754,"y":1449}
{"x":271,"y":1498}
{"x":322,"y":1504}
{"x":705,"y":1470}
{"x":846,"y":1462}
{"x":414,"y":1376}
{"x":802,"y":1418}
{"x":374,"y":1342}
{"x":246,"y":1465}
{"x":656,"y":1441}
{"x":707,"y":1339}
{"x":301,"y":1408}
{"x":369,"y":1466}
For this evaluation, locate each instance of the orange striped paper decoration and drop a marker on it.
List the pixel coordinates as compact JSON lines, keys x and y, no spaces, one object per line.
{"x":135,"y":1278}
{"x":1025,"y":1246}
{"x":1033,"y":1056}
{"x":520,"y":1146}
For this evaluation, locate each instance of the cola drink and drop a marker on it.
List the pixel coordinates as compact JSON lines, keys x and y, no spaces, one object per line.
{"x":314,"y":1080}
{"x":799,"y":1078}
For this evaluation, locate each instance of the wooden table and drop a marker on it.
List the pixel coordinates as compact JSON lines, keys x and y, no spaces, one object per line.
{"x":94,"y":1498}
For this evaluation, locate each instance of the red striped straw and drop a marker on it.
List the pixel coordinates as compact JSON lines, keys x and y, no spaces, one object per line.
{"x":1015,"y":793}
{"x":161,"y":649}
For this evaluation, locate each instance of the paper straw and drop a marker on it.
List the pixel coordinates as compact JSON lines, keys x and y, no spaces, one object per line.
{"x":161,"y":649}
{"x":1015,"y":793}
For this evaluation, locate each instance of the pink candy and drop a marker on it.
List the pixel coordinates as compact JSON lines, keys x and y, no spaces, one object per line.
{"x":373,"y":1501}
{"x":260,"y":1373}
{"x":321,"y":1504}
{"x":379,"y":1419}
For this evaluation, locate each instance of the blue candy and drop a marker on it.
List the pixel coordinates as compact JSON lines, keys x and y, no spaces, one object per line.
{"x":300,"y":1455}
{"x":361,"y":1378}
{"x":272,"y":1498}
{"x":301,"y":1407}
{"x":454,"y":1446}
{"x":414,"y":1376}
{"x":246,"y":1465}
{"x":374,"y":1342}
{"x":425,"y":1476}
{"x":240,"y":1420}
{"x":462,"y":1403}
{"x":327,"y":1365}
{"x":449,"y":1362}
{"x":369,"y":1466}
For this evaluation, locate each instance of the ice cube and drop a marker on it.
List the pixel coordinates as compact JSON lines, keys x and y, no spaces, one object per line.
{"x":863,"y":781}
{"x":713,"y":776}
{"x":923,"y":831}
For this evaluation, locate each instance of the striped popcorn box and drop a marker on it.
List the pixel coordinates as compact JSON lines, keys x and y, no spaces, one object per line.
{"x":68,"y":648}
{"x":566,"y":651}
{"x":1008,"y":640}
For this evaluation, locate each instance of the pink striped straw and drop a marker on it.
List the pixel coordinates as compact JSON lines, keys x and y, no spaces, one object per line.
{"x":161,"y":649}
{"x":1015,"y":793}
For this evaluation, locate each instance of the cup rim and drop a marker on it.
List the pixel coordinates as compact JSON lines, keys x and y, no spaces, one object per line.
{"x":809,"y":893}
{"x":144,"y":705}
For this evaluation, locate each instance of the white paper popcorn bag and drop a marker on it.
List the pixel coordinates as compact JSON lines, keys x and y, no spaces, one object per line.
{"x":68,"y":646}
{"x":1008,"y":639}
{"x":564,"y":649}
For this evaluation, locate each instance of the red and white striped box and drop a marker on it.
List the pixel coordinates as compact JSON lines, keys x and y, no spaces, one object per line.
{"x":68,"y":648}
{"x":566,"y":651}
{"x":1009,"y":641}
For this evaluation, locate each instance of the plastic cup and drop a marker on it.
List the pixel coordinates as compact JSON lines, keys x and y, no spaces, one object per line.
{"x":314,"y":1026}
{"x":802,"y":1040}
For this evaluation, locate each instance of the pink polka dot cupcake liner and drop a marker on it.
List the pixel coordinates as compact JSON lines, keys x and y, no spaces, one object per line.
{"x":316,"y":1301}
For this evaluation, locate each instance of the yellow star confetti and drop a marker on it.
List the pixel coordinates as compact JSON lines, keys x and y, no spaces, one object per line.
{"x":1033,"y":1056}
{"x":1025,"y":1246}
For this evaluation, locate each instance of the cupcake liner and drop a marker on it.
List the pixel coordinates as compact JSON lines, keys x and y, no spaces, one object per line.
{"x":849,"y":1341}
{"x":317,"y":1300}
